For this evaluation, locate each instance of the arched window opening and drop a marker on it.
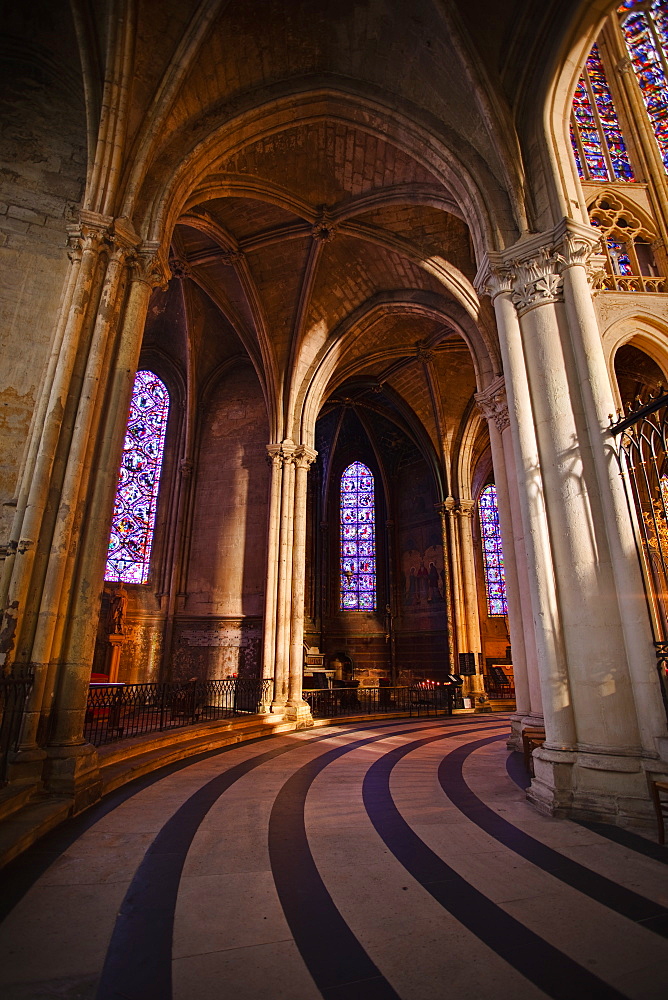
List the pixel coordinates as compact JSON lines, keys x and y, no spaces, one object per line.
{"x":644,"y":24}
{"x":639,"y":378}
{"x":492,"y":553}
{"x":596,"y":135}
{"x":627,"y":246}
{"x":358,"y":542}
{"x":139,"y":479}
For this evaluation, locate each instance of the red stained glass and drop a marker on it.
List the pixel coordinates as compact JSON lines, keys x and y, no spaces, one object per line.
{"x":492,"y":553}
{"x":358,"y":550}
{"x":137,"y":492}
{"x":602,"y":143}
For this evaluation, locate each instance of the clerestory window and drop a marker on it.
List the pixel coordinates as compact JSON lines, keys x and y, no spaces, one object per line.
{"x":139,"y":479}
{"x":358,"y":541}
{"x":644,"y":24}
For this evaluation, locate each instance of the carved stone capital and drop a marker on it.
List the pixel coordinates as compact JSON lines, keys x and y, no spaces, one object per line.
{"x":493,"y":404}
{"x":466,"y":507}
{"x":186,"y":468}
{"x":92,"y":232}
{"x":150,"y":266}
{"x":493,"y":278}
{"x":537,"y":279}
{"x":304,"y":456}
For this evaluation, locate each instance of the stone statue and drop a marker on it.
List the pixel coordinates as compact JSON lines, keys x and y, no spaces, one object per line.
{"x":119,"y":607}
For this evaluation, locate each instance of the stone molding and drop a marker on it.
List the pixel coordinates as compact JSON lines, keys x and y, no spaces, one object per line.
{"x":493,"y":404}
{"x":301,"y":456}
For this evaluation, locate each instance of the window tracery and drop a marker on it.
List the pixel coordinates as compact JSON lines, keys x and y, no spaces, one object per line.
{"x":627,"y":245}
{"x":139,"y":479}
{"x":358,"y":543}
{"x":492,"y":553}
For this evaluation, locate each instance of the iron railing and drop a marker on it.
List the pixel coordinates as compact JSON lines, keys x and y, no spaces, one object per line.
{"x":14,"y":691}
{"x":500,"y":692}
{"x":327,"y":704}
{"x":118,"y":711}
{"x":642,"y":453}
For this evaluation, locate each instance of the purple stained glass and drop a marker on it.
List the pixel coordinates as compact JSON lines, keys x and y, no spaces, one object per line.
{"x":137,"y":492}
{"x":646,"y":36}
{"x":358,"y":550}
{"x":492,"y":553}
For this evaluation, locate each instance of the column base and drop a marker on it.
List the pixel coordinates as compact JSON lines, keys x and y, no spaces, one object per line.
{"x":299,"y":711}
{"x":514,"y":741}
{"x":73,"y":771}
{"x":594,"y":787}
{"x":25,"y":767}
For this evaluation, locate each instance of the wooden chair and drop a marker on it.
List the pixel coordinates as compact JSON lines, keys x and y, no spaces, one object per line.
{"x":532,"y":737}
{"x":660,"y":807}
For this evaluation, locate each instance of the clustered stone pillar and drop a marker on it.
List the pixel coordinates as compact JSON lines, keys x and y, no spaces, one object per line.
{"x":460,"y":588}
{"x":283,"y":644}
{"x":581,"y":570}
{"x":493,"y":405}
{"x":52,"y":580}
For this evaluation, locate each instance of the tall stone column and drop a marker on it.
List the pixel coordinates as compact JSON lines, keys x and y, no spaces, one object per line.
{"x":535,"y":716}
{"x":67,"y":770}
{"x":465,"y":514}
{"x":296,"y":707}
{"x":273,"y":559}
{"x":284,"y":579}
{"x":460,"y":636}
{"x":493,"y":405}
{"x":447,"y":588}
{"x":578,"y":246}
{"x":497,"y":279}
{"x":550,"y":351}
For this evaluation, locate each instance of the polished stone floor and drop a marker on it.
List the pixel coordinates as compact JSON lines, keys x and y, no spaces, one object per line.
{"x":379,"y":860}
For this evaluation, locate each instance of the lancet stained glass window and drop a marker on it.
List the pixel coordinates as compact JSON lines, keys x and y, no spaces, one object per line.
{"x":645,"y":29}
{"x":492,"y":553}
{"x":598,"y":144}
{"x":137,"y":492}
{"x":358,"y":542}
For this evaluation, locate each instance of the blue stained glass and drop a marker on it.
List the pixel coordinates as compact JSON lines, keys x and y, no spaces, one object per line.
{"x":492,"y":553}
{"x":139,"y":478}
{"x":358,"y":550}
{"x":646,"y":36}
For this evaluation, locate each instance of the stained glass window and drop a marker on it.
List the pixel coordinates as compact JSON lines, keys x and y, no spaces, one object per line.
{"x":358,"y":542}
{"x":600,"y":151}
{"x":492,"y":553}
{"x":139,"y":479}
{"x":645,"y":28}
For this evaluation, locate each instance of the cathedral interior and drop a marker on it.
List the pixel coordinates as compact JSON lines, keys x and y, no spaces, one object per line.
{"x":333,"y":355}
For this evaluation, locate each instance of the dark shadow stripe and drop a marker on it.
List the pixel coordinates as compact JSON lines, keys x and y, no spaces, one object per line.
{"x":545,"y":966}
{"x":629,"y":904}
{"x":338,"y":963}
{"x":633,"y":841}
{"x":138,"y":963}
{"x":628,"y":839}
{"x":21,"y":873}
{"x":517,"y":771}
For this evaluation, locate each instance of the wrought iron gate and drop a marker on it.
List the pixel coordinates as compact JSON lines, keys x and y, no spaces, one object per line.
{"x":641,"y":438}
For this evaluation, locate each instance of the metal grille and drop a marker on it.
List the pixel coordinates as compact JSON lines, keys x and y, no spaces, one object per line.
{"x":377,"y":700}
{"x":641,"y":451}
{"x":14,"y":691}
{"x":118,"y":711}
